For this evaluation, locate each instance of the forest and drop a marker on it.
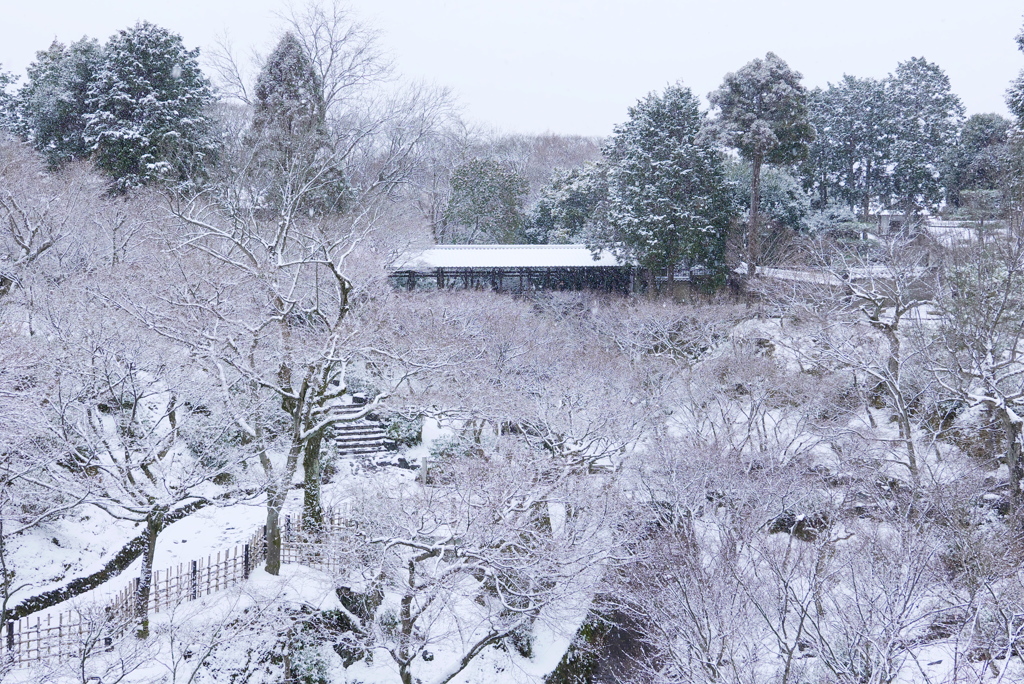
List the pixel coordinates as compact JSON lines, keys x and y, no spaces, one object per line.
{"x":231,"y":451}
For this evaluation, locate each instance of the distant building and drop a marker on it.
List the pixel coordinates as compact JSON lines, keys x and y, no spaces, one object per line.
{"x":513,"y":268}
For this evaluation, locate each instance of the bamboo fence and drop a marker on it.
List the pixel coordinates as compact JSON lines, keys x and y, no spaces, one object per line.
{"x":77,"y":633}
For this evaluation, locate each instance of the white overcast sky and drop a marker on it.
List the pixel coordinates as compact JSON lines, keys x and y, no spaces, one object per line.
{"x":571,"y":66}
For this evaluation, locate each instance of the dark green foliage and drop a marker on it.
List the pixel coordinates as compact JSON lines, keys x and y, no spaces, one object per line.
{"x":668,"y":199}
{"x":295,"y":170}
{"x":783,"y":202}
{"x":847,"y":159}
{"x":977,"y":163}
{"x":147,"y":107}
{"x":487,"y":203}
{"x":883,"y":142}
{"x":1015,"y":94}
{"x":580,"y":662}
{"x":52,"y":105}
{"x":571,"y":201}
{"x":763,"y":112}
{"x":928,"y":116}
{"x":405,"y":431}
{"x":7,"y":117}
{"x":289,"y":95}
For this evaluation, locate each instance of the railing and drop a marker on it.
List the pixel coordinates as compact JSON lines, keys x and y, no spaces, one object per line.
{"x":74,"y":632}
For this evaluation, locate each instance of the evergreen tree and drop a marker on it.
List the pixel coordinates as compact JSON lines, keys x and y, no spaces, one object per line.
{"x":289,"y":102}
{"x":51,"y":107}
{"x":294,"y":161}
{"x":568,"y":204}
{"x":667,"y":197}
{"x":148,"y":106}
{"x":487,"y":202}
{"x":883,"y":142}
{"x":763,"y":114}
{"x":848,"y":159}
{"x":783,"y":201}
{"x":977,"y":162}
{"x":6,"y":102}
{"x":928,"y":116}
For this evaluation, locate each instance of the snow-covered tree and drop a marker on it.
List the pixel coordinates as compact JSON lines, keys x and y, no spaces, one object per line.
{"x":762,"y":112}
{"x":978,"y":161}
{"x":52,"y":104}
{"x":883,"y":143}
{"x":983,"y":309}
{"x":667,"y":199}
{"x":437,"y":575}
{"x":927,"y":117}
{"x":1015,"y":93}
{"x":783,"y":205}
{"x":569,"y":204}
{"x":290,"y":135}
{"x":487,"y":202}
{"x":7,"y":119}
{"x":148,"y":103}
{"x":848,"y":159}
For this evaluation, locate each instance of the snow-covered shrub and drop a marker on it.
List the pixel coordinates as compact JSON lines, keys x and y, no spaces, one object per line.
{"x":446,"y":453}
{"x":404,"y":430}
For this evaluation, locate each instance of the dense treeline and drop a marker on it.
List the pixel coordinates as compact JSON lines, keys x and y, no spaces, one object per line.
{"x":817,"y":481}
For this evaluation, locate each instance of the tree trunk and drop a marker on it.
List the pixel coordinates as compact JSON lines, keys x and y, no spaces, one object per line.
{"x":867,"y":191}
{"x":118,"y":564}
{"x":274,"y":506}
{"x":894,"y":386}
{"x":312,"y":503}
{"x":154,"y":524}
{"x":1012,"y":432}
{"x":753,"y":246}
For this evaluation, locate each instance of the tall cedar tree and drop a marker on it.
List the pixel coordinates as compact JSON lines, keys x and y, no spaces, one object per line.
{"x":763,"y":114}
{"x":1015,"y":93}
{"x":52,"y":106}
{"x":849,"y":155}
{"x":148,"y":110}
{"x":290,"y":134}
{"x":668,"y":201}
{"x":885,"y":141}
{"x":928,"y":116}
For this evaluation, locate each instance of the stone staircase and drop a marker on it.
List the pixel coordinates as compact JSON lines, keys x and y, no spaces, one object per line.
{"x":364,"y":436}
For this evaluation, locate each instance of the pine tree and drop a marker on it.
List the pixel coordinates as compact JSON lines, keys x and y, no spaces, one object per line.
{"x":668,"y":200}
{"x":763,"y":114}
{"x":51,"y":107}
{"x":148,"y":106}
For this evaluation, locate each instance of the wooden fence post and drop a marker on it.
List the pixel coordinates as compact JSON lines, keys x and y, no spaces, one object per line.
{"x":195,"y":580}
{"x":245,"y":562}
{"x":10,"y":635}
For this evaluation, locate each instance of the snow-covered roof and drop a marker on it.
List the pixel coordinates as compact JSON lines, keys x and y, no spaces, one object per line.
{"x":505,"y":256}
